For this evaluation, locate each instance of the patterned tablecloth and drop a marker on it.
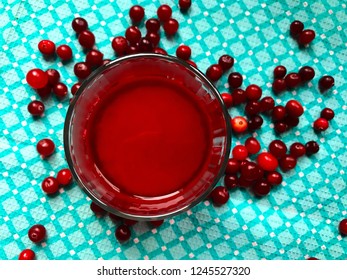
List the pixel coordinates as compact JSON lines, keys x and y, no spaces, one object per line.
{"x":298,"y":219}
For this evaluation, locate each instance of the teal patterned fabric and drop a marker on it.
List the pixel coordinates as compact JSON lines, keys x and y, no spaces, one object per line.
{"x":297,"y":219}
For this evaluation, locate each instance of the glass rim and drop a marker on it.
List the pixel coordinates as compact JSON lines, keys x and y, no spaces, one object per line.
{"x":67,"y":142}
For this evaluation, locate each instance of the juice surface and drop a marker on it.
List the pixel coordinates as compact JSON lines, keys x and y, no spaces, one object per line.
{"x":150,"y":137}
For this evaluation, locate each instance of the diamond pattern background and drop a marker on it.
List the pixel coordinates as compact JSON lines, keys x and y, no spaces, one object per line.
{"x":298,"y":219}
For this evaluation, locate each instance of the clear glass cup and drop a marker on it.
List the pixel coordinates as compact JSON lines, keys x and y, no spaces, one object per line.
{"x":82,"y":163}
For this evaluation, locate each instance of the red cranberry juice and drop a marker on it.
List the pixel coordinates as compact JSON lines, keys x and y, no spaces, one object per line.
{"x":149,"y":137}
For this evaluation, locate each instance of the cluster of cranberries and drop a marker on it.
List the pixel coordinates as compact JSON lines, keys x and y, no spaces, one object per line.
{"x":44,"y":82}
{"x":303,"y":36}
{"x":122,"y":232}
{"x":261,"y":175}
{"x":134,"y":42}
{"x":283,"y":81}
{"x":50,"y":185}
{"x":215,"y":71}
{"x":322,"y":123}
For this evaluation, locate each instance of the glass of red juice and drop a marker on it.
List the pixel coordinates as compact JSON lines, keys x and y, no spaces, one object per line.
{"x":147,"y":136}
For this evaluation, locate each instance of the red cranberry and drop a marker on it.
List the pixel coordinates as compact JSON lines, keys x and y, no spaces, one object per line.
{"x":231,"y":181}
{"x":154,"y":38}
{"x":306,"y":73}
{"x":278,"y":113}
{"x":255,"y":122}
{"x":145,"y":45}
{"x":326,"y":82}
{"x":343,"y":227}
{"x":27,"y":254}
{"x":157,"y":223}
{"x":227,"y":99}
{"x":94,"y":58}
{"x":214,"y":72}
{"x":133,"y":34}
{"x":82,"y":70}
{"x":45,"y":147}
{"x":44,"y":92}
{"x":312,"y":147}
{"x":253,"y":92}
{"x":36,"y":78}
{"x":244,"y":162}
{"x":294,"y":108}
{"x":240,"y":152}
{"x":233,"y":166}
{"x":64,"y":177}
{"x":287,"y":163}
{"x":53,"y":76}
{"x":261,"y":188}
{"x":161,"y":51}
{"x":119,"y":45}
{"x":129,"y":222}
{"x":220,"y":195}
{"x":327,"y":114}
{"x":274,"y":178}
{"x":235,"y":80}
{"x":152,"y":25}
{"x":306,"y":37}
{"x":75,"y":88}
{"x":184,"y":52}
{"x":277,"y":148}
{"x":279,"y":85}
{"x":252,"y":145}
{"x":79,"y":24}
{"x":64,"y":52}
{"x":184,"y":4}
{"x":244,"y":183}
{"x":267,"y":104}
{"x":36,"y":108}
{"x":171,"y":26}
{"x":131,"y":49}
{"x":297,"y":150}
{"x":280,"y":72}
{"x":123,"y":233}
{"x":321,"y":124}
{"x":97,"y":209}
{"x":50,"y":185}
{"x":239,"y":124}
{"x":251,"y":171}
{"x":280,"y":127}
{"x":46,"y":47}
{"x":60,"y":90}
{"x":296,"y":27}
{"x":136,"y":13}
{"x":292,"y":80}
{"x":37,"y":233}
{"x":164,"y":12}
{"x":267,"y":161}
{"x":239,"y":96}
{"x":291,"y":121}
{"x":86,"y":39}
{"x":252,"y":108}
{"x":226,"y":62}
